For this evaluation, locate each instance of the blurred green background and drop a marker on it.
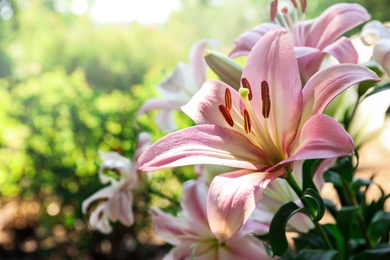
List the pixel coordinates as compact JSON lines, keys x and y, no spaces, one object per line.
{"x":69,"y":86}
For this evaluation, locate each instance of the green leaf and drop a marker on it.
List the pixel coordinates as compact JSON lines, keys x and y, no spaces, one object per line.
{"x":338,"y":238}
{"x":344,"y":222}
{"x":378,"y":90}
{"x":333,"y":177}
{"x":374,"y":254}
{"x":357,"y":183}
{"x":277,"y":231}
{"x":309,"y":169}
{"x":308,"y":254}
{"x":379,"y":226}
{"x":316,"y":203}
{"x":331,"y":207}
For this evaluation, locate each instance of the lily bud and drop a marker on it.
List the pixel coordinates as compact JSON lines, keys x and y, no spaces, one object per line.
{"x":225,"y":68}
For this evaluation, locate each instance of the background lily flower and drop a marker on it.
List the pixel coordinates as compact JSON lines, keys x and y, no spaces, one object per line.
{"x":375,"y":33}
{"x":191,"y":236}
{"x":179,"y":87}
{"x":313,"y":39}
{"x":118,"y":196}
{"x":369,"y":119}
{"x":260,"y":129}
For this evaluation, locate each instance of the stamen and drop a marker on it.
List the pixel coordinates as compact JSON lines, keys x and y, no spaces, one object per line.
{"x":247,"y":122}
{"x":303,"y":5}
{"x":265,"y":97}
{"x":228,"y":99}
{"x":295,"y":4}
{"x":226,"y":115}
{"x":274,"y":9}
{"x":245,"y":84}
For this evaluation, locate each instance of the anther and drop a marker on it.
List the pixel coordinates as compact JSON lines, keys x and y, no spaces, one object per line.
{"x":295,"y":4}
{"x":285,"y":10}
{"x":228,"y":99}
{"x":303,"y":5}
{"x":245,"y":84}
{"x":274,"y":9}
{"x":247,"y":122}
{"x":265,"y":97}
{"x":226,"y":115}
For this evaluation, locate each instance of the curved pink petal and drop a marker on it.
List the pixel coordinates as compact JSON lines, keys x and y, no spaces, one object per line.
{"x":104,"y":193}
{"x":335,"y":21}
{"x":272,"y":59}
{"x":165,"y":119}
{"x":203,"y":106}
{"x":381,"y":54}
{"x":245,"y":42}
{"x":194,"y":200}
{"x":373,"y":31}
{"x":176,"y":230}
{"x":203,"y":144}
{"x":119,"y":207}
{"x":233,"y":197}
{"x":303,"y":51}
{"x":243,"y":247}
{"x":321,"y":137}
{"x":343,"y":50}
{"x":323,"y":88}
{"x":99,"y":221}
{"x":155,"y":103}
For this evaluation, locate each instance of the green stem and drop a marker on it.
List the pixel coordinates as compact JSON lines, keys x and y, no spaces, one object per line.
{"x":294,"y":185}
{"x":359,"y":215}
{"x":162,"y":195}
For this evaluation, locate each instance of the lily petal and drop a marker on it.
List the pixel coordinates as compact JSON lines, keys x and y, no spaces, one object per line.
{"x":104,"y":193}
{"x":194,"y":200}
{"x":203,"y":106}
{"x":373,"y":31}
{"x":321,"y":89}
{"x":322,"y":137}
{"x":335,"y":21}
{"x":243,"y":247}
{"x":232,"y":198}
{"x":343,"y":50}
{"x":203,"y":144}
{"x":381,"y":54}
{"x":245,"y":42}
{"x":176,"y":230}
{"x":273,"y":59}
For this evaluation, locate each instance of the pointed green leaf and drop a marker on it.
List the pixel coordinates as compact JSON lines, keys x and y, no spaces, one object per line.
{"x":309,"y":169}
{"x":316,"y":203}
{"x":378,"y":90}
{"x":277,"y":231}
{"x":308,"y":254}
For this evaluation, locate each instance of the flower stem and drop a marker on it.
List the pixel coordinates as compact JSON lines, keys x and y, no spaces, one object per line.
{"x":294,"y":185}
{"x":162,"y":195}
{"x":359,"y":215}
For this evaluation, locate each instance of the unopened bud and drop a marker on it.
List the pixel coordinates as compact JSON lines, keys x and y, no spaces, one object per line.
{"x":225,"y":68}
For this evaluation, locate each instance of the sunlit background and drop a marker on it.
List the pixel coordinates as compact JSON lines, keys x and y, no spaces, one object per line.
{"x":72,"y":75}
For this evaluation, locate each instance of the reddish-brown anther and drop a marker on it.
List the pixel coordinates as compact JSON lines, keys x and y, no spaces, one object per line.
{"x":245,"y":84}
{"x":226,"y":115}
{"x":265,"y":98}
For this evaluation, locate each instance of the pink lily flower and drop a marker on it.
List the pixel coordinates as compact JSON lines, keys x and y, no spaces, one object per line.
{"x":260,"y":129}
{"x":118,"y":197}
{"x":313,"y":39}
{"x":191,"y":236}
{"x":377,"y":34}
{"x":178,"y":88}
